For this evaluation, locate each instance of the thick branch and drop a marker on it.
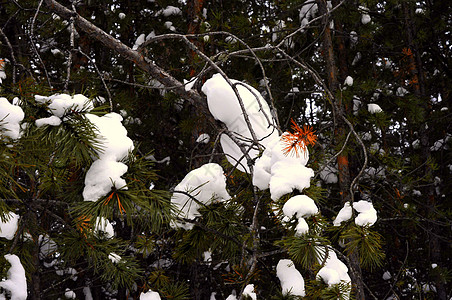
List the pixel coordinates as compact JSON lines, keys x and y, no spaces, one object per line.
{"x":125,"y":51}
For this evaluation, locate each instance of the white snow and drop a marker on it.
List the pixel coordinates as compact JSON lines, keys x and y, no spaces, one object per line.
{"x":328,"y":174}
{"x":8,"y":228}
{"x":334,"y":271}
{"x":190,"y":83}
{"x":203,"y":138}
{"x":367,"y":215}
{"x":101,"y":177}
{"x":300,"y":206}
{"x":348,"y":81}
{"x":302,"y":227}
{"x":374,"y":108}
{"x":291,"y":280}
{"x":400,"y":92}
{"x":10,"y":118}
{"x":56,"y":52}
{"x":281,"y":173}
{"x":224,"y":106}
{"x":115,"y":258}
{"x":386,"y":275}
{"x":2,"y":69}
{"x":106,"y":171}
{"x":207,"y":256}
{"x":309,"y":10}
{"x":140,"y":40}
{"x":171,"y":11}
{"x":344,"y":214}
{"x":103,"y":225}
{"x":47,"y":246}
{"x":150,"y":295}
{"x":60,"y":104}
{"x":69,"y":294}
{"x":87,"y":293}
{"x":122,"y":16}
{"x":249,"y":291}
{"x":52,"y":121}
{"x":365,"y":17}
{"x":169,"y":25}
{"x":205,"y":184}
{"x":16,"y":282}
{"x":353,"y":38}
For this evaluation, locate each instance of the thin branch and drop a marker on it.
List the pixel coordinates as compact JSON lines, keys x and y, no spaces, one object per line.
{"x":13,"y":58}
{"x":31,"y":35}
{"x":125,"y":51}
{"x":101,"y":77}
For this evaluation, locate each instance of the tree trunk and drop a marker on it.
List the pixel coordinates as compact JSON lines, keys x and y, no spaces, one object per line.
{"x":418,"y":82}
{"x":340,"y":133}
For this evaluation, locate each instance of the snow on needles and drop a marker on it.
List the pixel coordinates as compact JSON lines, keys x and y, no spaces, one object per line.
{"x":281,"y":173}
{"x":334,"y":271}
{"x":8,"y":229}
{"x":16,"y":282}
{"x":291,"y":280}
{"x":249,"y":291}
{"x":205,"y":184}
{"x":300,"y":206}
{"x":150,"y":295}
{"x":107,"y":170}
{"x":60,"y":104}
{"x":367,"y":215}
{"x":224,"y":106}
{"x":10,"y":118}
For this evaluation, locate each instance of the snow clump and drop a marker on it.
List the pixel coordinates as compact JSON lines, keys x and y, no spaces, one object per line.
{"x":334,"y":271}
{"x":140,"y":40}
{"x":206,"y":184}
{"x":280,"y":172}
{"x":374,"y":108}
{"x":365,"y":17}
{"x":203,"y":138}
{"x":9,"y":227}
{"x":2,"y":69}
{"x":107,"y":170}
{"x":10,"y":118}
{"x":16,"y":282}
{"x":367,"y":215}
{"x":344,"y":214}
{"x":103,"y":227}
{"x":249,"y":291}
{"x":349,"y":81}
{"x":150,"y":295}
{"x":115,"y":258}
{"x":291,"y":280}
{"x":60,"y":104}
{"x":224,"y":106}
{"x":300,"y":206}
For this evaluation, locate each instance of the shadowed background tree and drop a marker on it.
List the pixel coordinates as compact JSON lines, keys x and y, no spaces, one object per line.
{"x":324,"y":64}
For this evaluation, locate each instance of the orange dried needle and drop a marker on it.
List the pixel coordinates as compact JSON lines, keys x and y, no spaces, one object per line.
{"x":297,"y":141}
{"x":121,"y":208}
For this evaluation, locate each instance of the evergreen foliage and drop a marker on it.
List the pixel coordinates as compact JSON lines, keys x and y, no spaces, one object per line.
{"x":399,"y":159}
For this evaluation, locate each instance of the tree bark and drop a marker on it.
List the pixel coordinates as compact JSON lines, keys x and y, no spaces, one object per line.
{"x":418,"y":82}
{"x":340,"y":133}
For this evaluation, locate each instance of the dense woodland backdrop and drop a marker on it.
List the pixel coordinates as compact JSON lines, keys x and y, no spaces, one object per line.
{"x":398,"y":55}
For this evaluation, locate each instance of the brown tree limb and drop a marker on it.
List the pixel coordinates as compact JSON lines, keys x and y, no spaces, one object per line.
{"x":136,"y":57}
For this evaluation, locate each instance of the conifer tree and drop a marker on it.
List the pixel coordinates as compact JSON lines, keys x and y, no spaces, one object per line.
{"x":207,"y":202}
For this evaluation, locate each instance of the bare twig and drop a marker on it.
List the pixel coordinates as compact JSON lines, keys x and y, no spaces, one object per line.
{"x":31,"y":36}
